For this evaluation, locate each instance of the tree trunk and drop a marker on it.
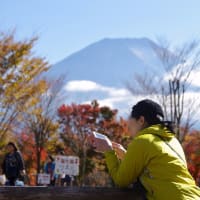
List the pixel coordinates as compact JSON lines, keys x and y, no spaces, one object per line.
{"x":84,"y":164}
{"x":38,"y":163}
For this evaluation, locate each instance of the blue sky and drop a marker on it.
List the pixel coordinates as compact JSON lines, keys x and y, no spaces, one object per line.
{"x":65,"y":26}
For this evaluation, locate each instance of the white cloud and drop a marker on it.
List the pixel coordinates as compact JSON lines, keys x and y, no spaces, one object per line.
{"x":193,"y":77}
{"x":89,"y":86}
{"x":82,"y":86}
{"x":118,"y":98}
{"x":118,"y":92}
{"x":113,"y":97}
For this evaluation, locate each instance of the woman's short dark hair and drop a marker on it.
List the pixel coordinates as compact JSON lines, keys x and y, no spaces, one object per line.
{"x":152,"y":112}
{"x":13,"y":145}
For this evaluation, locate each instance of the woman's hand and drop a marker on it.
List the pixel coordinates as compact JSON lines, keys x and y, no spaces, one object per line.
{"x":119,"y":149}
{"x":100,"y":145}
{"x":22,"y":172}
{"x":103,"y":145}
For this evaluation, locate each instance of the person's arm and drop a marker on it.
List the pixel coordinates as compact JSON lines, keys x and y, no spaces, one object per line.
{"x":125,"y":172}
{"x":21,"y":164}
{"x":20,"y":161}
{"x":53,"y":173}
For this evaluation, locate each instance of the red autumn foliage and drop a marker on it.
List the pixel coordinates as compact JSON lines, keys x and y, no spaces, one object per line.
{"x":78,"y":121}
{"x":191,"y":147}
{"x":28,"y":149}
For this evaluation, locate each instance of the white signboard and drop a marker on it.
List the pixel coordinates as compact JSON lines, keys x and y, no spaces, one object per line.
{"x":2,"y":179}
{"x":68,"y":165}
{"x":44,"y":179}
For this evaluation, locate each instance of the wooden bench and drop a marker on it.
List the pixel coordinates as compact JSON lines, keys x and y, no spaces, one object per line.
{"x":66,"y":193}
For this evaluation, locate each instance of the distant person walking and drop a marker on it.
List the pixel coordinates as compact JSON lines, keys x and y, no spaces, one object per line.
{"x":49,"y":168}
{"x":13,"y":164}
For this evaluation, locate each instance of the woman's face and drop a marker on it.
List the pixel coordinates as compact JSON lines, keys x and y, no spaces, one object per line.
{"x":136,"y":125}
{"x":10,"y":148}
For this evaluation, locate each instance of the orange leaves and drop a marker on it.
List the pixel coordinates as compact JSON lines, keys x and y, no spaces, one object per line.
{"x":28,"y":148}
{"x":43,"y":154}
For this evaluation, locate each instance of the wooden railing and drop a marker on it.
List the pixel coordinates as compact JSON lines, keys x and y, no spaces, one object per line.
{"x":66,"y":193}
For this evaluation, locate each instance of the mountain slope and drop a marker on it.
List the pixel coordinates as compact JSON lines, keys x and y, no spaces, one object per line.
{"x":110,"y":62}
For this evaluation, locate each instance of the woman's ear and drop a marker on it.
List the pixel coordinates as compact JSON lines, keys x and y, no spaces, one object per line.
{"x":142,"y":121}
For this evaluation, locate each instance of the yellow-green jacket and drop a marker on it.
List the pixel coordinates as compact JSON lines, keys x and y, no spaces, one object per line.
{"x":161,"y":171}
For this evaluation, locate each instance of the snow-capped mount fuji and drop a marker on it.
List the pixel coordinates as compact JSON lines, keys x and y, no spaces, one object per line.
{"x":110,"y":62}
{"x":100,"y":71}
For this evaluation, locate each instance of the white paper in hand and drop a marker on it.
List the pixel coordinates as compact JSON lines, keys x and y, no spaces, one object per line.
{"x":102,"y":137}
{"x":99,"y":135}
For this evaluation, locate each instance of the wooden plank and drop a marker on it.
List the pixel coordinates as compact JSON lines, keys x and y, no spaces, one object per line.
{"x":63,"y":193}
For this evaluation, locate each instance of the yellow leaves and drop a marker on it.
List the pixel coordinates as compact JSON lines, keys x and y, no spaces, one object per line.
{"x":25,"y":98}
{"x":9,"y":77}
{"x":42,"y":85}
{"x":20,"y":87}
{"x":37,"y":112}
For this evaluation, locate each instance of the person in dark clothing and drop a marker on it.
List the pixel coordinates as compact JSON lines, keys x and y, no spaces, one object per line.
{"x":13,"y":164}
{"x":67,"y":180}
{"x":50,"y":169}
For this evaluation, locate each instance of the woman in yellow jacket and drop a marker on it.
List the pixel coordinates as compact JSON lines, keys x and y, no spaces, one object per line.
{"x":154,"y":156}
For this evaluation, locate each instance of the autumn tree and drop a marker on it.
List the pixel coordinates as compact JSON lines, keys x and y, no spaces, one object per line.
{"x":191,"y":147}
{"x":26,"y":144}
{"x":78,"y":121}
{"x":178,"y":64}
{"x":40,"y":120}
{"x":19,"y":69}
